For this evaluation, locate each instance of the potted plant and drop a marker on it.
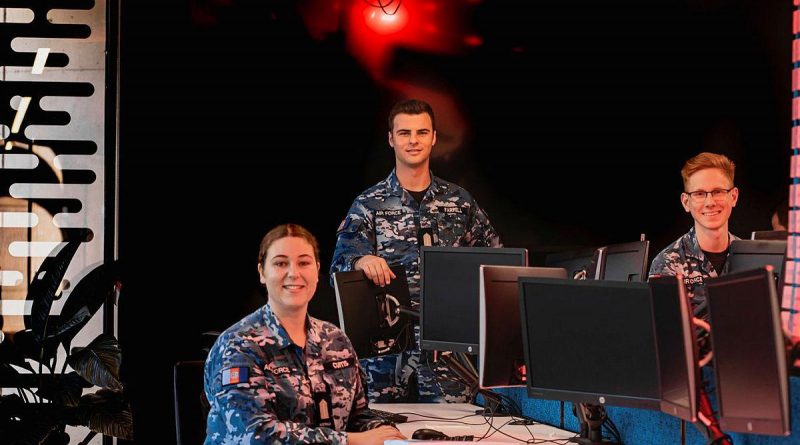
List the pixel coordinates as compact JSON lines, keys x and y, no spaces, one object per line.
{"x":50,"y":397}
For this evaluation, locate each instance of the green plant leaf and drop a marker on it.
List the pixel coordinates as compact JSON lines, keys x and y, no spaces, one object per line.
{"x":65,"y":390}
{"x":85,"y":300}
{"x":44,"y":285}
{"x":10,"y":354}
{"x":27,"y":344}
{"x":98,"y":362}
{"x":37,"y":422}
{"x":106,"y":412}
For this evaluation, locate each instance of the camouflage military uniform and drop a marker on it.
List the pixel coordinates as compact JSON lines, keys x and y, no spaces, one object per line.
{"x":265,"y":389}
{"x":684,"y":256}
{"x":386,"y":221}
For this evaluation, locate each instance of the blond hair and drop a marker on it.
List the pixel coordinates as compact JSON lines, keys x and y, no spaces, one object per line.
{"x":708,"y":160}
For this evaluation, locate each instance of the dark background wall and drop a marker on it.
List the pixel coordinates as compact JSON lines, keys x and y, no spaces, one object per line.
{"x":237,"y":116}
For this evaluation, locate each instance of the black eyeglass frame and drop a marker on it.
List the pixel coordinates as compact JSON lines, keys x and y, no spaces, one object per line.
{"x":712,"y":192}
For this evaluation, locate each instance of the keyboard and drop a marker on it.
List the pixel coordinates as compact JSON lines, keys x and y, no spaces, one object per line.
{"x":392,"y":417}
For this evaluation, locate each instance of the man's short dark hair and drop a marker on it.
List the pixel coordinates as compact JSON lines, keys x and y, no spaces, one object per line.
{"x":411,"y":106}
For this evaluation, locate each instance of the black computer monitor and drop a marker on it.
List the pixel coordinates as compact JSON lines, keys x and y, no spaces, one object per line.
{"x":369,"y":314}
{"x":749,"y":353}
{"x":501,"y":361}
{"x":450,"y":288}
{"x":590,"y":342}
{"x":581,"y":264}
{"x":626,"y":261}
{"x":677,"y":347}
{"x":755,"y":254}
{"x":777,"y":235}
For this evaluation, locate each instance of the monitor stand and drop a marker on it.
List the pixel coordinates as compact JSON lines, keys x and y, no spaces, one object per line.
{"x":591,"y":418}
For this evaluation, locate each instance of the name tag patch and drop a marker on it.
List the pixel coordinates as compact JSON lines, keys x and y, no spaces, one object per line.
{"x":389,"y":212}
{"x":233,"y":376}
{"x":451,"y":210}
{"x":337,"y":365}
{"x":693,"y":280}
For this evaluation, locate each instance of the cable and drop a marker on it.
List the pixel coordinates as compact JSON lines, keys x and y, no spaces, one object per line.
{"x":385,"y":5}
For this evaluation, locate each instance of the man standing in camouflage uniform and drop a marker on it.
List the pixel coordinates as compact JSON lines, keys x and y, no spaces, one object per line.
{"x":281,"y":376}
{"x":709,"y":196}
{"x":390,"y":221}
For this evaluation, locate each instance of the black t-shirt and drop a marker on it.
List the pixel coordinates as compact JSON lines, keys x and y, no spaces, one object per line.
{"x":717,"y":259}
{"x":417,"y":195}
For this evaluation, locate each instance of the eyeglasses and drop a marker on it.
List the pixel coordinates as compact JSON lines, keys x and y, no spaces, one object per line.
{"x":701,"y":195}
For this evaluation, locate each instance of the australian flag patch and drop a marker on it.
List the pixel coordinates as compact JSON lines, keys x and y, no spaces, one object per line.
{"x":233,"y":376}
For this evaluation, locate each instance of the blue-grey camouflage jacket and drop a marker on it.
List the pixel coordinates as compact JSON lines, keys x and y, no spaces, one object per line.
{"x":684,"y":256}
{"x":386,"y":220}
{"x":261,"y":391}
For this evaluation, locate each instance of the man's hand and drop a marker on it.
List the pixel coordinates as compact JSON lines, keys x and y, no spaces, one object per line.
{"x":376,"y":269}
{"x":375,"y":436}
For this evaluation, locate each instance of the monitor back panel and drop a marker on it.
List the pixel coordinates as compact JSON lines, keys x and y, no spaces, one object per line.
{"x":627,"y":261}
{"x":749,"y":356}
{"x":368,"y":313}
{"x":578,"y":263}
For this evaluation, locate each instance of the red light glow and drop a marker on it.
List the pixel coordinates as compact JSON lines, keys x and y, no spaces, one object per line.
{"x":383,"y":23}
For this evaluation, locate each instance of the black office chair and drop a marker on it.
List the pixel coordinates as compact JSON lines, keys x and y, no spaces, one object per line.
{"x":191,"y":405}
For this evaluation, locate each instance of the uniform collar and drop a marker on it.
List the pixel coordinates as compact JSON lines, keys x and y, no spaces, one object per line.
{"x":692,"y":247}
{"x":397,"y":189}
{"x":282,"y":339}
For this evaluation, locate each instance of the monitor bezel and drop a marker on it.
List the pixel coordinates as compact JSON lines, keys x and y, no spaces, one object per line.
{"x":581,"y":396}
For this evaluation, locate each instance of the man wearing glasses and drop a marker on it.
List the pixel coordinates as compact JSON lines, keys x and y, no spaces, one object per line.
{"x":709,"y":196}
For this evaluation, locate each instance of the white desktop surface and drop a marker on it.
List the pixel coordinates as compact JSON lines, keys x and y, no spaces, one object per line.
{"x":428,"y":415}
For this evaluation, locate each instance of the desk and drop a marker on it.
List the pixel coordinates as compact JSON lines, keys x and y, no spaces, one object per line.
{"x":428,"y":415}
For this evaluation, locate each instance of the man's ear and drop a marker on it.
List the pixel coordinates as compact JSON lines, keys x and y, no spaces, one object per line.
{"x":391,"y":140}
{"x":434,"y":138}
{"x":685,"y":202}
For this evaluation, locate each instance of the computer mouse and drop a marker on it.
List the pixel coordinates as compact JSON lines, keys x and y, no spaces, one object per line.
{"x":428,"y":434}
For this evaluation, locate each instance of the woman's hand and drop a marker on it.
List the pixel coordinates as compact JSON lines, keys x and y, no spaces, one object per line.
{"x":375,"y":436}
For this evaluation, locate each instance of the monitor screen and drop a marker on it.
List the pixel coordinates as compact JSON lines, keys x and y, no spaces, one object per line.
{"x":590,"y":342}
{"x":450,"y":288}
{"x":627,"y":261}
{"x":749,"y":355}
{"x":677,"y":347}
{"x":369,"y":314}
{"x":582,"y":264}
{"x":501,"y":361}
